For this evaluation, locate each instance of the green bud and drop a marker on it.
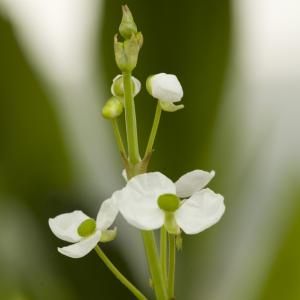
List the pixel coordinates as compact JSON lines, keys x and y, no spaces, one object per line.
{"x":168,"y":202}
{"x":127,"y":27}
{"x":108,"y":235}
{"x":126,"y":53}
{"x":170,"y":223}
{"x":87,"y":227}
{"x":169,"y":106}
{"x":117,"y":87}
{"x":112,"y":108}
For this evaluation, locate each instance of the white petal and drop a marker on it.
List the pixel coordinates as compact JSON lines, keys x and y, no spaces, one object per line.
{"x":138,"y":200}
{"x":65,"y":226}
{"x":166,"y":87}
{"x":107,"y":213}
{"x":83,"y":247}
{"x":137,"y":86}
{"x":202,"y":210}
{"x":192,"y":182}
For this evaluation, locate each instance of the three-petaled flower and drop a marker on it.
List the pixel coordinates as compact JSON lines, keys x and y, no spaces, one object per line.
{"x":150,"y":201}
{"x":85,"y":233}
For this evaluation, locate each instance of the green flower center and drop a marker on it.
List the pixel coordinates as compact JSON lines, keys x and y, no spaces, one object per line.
{"x":87,"y":227}
{"x":168,"y":202}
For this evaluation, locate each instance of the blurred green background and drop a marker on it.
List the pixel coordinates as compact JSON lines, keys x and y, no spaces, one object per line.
{"x":238,"y":63}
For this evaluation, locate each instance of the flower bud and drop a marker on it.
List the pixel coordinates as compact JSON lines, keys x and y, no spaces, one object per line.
{"x":112,"y":108}
{"x":87,"y":227}
{"x":127,"y":27}
{"x":164,"y":87}
{"x":117,"y":87}
{"x":127,"y":52}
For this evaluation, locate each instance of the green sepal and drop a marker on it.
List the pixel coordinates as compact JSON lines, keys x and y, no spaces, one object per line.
{"x":127,"y":52}
{"x":108,"y":235}
{"x":169,"y":106}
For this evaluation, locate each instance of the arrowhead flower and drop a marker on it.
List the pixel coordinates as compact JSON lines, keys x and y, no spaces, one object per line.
{"x":150,"y":201}
{"x":83,"y":232}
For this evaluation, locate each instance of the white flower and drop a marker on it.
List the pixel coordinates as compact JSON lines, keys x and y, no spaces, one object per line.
{"x":150,"y":200}
{"x":165,"y":87}
{"x":84,"y":232}
{"x":117,"y":87}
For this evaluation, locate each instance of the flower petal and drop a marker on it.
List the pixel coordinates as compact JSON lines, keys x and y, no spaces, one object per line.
{"x":138,"y":200}
{"x":192,"y":182}
{"x":65,"y":226}
{"x":107,"y":213}
{"x":202,"y":210}
{"x":166,"y":87}
{"x":81,"y":248}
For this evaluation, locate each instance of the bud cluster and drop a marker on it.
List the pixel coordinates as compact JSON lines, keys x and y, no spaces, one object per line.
{"x":127,"y":52}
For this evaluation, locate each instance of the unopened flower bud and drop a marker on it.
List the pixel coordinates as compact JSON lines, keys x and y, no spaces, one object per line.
{"x":117,"y":87}
{"x":164,"y":87}
{"x":127,"y":26}
{"x":112,"y":108}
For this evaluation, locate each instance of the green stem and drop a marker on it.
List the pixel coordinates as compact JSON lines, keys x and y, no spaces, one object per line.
{"x":130,"y":117}
{"x":163,"y":252}
{"x":119,"y":275}
{"x":172,"y":263}
{"x":134,"y":159}
{"x":118,"y":137}
{"x":153,"y":130}
{"x":154,"y":265}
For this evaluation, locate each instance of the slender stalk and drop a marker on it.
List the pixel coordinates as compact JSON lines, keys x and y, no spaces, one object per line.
{"x":154,"y":265}
{"x":119,"y":275}
{"x":118,"y":137}
{"x":153,"y":130}
{"x":172,"y":263}
{"x":130,"y":117}
{"x":163,"y":252}
{"x":134,"y":159}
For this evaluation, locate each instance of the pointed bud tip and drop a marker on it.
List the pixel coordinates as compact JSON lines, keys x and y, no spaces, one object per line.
{"x":127,"y":26}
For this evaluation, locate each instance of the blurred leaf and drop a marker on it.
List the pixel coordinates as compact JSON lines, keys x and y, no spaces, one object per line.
{"x":33,"y":156}
{"x":282,"y":281}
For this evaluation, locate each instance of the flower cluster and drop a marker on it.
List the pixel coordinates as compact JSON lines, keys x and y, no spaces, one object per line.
{"x":148,"y":201}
